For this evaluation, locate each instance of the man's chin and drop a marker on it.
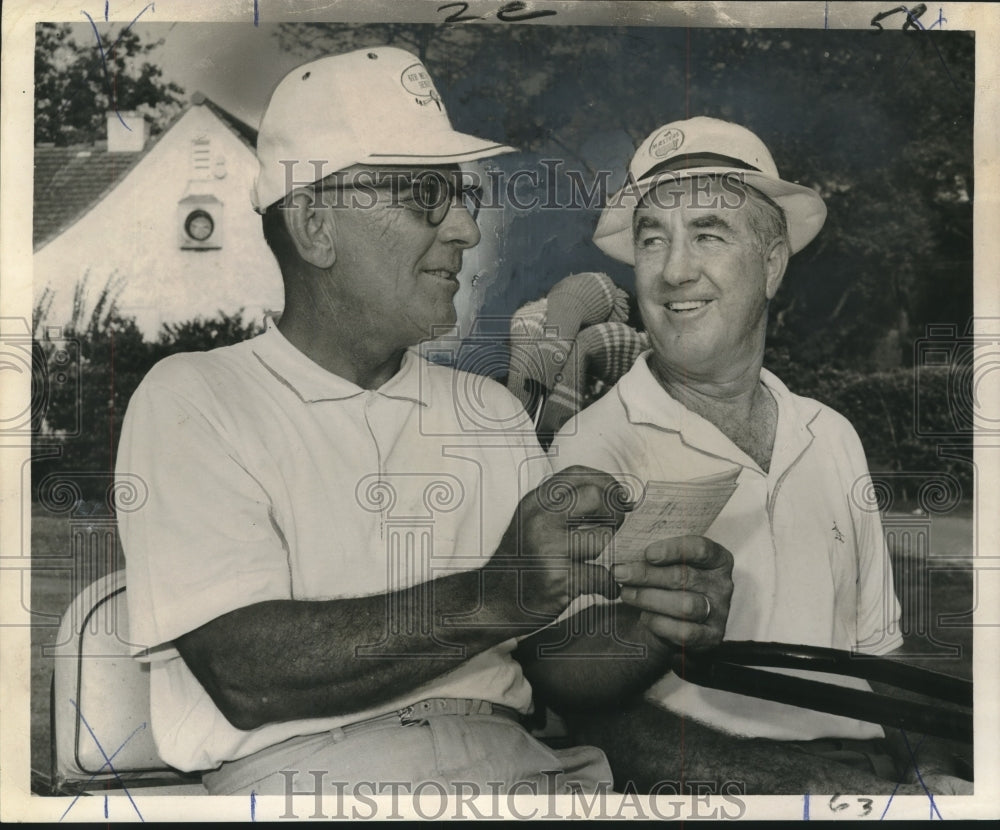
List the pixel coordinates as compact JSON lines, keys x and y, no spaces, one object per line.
{"x":447,"y":326}
{"x":685,"y":360}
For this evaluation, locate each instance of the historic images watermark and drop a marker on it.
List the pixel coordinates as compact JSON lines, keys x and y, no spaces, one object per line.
{"x":544,"y":187}
{"x":548,"y":798}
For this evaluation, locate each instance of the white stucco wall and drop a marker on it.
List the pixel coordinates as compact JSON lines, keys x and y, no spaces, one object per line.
{"x":134,"y":233}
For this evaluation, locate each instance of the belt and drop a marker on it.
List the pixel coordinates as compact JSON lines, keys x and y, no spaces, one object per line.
{"x":417,"y":713}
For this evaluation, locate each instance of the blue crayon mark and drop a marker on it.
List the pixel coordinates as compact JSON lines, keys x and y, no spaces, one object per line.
{"x":253,"y":806}
{"x":939,"y":23}
{"x":805,"y":807}
{"x":106,"y":4}
{"x":892,"y":795}
{"x":256,"y":13}
{"x":105,"y":805}
{"x":826,"y":25}
{"x":930,"y":796}
{"x":104,"y":57}
{"x":920,"y":778}
{"x":107,"y":763}
{"x":915,"y":22}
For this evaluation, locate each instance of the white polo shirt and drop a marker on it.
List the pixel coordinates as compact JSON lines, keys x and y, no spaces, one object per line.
{"x":271,"y":478}
{"x":811,"y":566}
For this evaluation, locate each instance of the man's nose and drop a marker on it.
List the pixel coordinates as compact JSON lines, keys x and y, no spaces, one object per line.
{"x":458,"y":227}
{"x":679,"y":265}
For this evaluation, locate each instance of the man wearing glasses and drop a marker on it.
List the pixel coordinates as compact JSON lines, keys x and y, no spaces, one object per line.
{"x":343,"y":543}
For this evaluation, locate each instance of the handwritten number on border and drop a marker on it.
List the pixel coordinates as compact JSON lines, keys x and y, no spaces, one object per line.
{"x":836,"y":804}
{"x":459,"y":16}
{"x":513,"y":12}
{"x":506,"y":12}
{"x":912,"y":17}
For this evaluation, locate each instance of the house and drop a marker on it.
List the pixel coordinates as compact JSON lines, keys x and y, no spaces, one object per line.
{"x":168,"y":220}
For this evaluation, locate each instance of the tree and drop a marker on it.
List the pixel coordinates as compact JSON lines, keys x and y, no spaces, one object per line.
{"x":77,"y":84}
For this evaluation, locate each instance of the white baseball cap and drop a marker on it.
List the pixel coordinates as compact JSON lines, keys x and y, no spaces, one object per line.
{"x":702,"y":147}
{"x":371,"y":106}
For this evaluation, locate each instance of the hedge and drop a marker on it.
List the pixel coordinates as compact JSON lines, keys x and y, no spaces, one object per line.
{"x":914,"y":421}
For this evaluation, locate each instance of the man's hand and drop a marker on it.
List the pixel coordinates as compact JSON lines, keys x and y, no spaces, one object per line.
{"x":556,"y":531}
{"x":608,"y":652}
{"x":683,"y":590}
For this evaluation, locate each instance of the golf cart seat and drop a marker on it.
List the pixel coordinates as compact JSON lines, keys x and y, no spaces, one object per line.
{"x":101,"y":735}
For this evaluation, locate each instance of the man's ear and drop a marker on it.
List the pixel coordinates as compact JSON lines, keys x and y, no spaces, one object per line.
{"x":775,"y":263}
{"x":311,"y":228}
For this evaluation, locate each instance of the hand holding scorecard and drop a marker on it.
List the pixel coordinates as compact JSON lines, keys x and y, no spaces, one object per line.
{"x":668,"y":509}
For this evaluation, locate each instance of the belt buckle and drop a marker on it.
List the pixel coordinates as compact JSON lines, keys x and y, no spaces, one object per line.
{"x":406,"y":717}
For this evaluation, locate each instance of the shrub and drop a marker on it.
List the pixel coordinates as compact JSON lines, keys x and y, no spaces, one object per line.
{"x":78,"y":421}
{"x":904,"y":417}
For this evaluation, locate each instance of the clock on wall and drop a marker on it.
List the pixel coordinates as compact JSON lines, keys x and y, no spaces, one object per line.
{"x":199,"y":222}
{"x":199,"y":225}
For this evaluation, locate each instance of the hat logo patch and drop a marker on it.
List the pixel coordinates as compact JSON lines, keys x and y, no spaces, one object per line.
{"x":418,"y":83}
{"x":666,"y":142}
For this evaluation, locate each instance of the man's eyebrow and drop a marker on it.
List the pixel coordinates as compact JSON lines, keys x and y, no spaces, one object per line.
{"x":711,"y":220}
{"x":642,"y":223}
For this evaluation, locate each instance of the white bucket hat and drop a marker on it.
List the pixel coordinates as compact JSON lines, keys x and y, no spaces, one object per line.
{"x":372,"y":106}
{"x":701,"y":147}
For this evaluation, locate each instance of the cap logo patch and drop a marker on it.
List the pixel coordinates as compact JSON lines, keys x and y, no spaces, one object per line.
{"x":418,"y":83}
{"x":666,"y":142}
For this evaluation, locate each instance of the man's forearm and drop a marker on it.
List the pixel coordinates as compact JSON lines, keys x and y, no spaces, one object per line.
{"x":289,"y":659}
{"x":579,"y":664}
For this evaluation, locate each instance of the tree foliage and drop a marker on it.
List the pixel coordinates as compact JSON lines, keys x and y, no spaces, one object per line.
{"x":77,"y":84}
{"x":84,"y":381}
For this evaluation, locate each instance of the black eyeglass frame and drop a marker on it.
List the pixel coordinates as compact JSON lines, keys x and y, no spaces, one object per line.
{"x":432,"y":192}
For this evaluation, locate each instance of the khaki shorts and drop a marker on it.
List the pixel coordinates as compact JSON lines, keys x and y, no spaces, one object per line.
{"x":460,"y":753}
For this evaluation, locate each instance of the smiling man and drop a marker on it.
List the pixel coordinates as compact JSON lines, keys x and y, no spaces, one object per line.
{"x":335,"y":565}
{"x":709,"y":225}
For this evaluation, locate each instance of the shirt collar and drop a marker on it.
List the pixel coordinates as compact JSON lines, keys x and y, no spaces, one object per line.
{"x":311,"y":382}
{"x":646,"y":402}
{"x":795,"y":417}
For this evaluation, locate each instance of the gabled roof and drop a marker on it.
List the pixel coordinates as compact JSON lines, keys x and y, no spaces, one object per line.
{"x":243,"y":131}
{"x":69,"y":181}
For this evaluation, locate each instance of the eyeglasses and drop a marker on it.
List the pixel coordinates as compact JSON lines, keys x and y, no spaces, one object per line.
{"x":429,"y":192}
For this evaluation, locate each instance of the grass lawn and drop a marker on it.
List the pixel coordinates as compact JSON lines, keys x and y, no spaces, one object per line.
{"x":936,"y":590}
{"x":61,"y":567}
{"x":69,"y":553}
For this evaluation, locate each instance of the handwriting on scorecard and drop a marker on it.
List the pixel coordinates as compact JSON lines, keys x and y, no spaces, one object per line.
{"x":668,"y":509}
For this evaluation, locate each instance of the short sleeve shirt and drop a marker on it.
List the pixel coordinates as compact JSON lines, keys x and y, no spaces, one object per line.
{"x":268,"y":478}
{"x":810,"y":563}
